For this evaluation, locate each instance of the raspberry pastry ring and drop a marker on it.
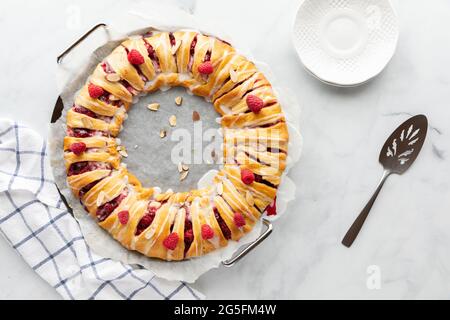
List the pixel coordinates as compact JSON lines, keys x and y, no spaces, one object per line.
{"x":168,"y":225}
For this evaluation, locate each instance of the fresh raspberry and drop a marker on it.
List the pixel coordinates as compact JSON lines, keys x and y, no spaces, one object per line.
{"x":254,"y":103}
{"x":188,"y":236}
{"x":247,"y":176}
{"x":272,"y":209}
{"x":123,"y":217}
{"x":135,"y":57}
{"x":95,"y":91}
{"x":207,"y":232}
{"x":171,"y":241}
{"x":78,"y":148}
{"x":239,"y":220}
{"x":206,"y":68}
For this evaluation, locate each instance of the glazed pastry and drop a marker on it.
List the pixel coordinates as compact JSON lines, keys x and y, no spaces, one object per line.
{"x":169,"y":225}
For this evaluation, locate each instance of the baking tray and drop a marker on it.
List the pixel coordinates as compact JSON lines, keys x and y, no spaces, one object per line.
{"x":57,"y":113}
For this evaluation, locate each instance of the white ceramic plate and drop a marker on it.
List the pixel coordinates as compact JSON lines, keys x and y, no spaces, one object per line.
{"x":345,"y":42}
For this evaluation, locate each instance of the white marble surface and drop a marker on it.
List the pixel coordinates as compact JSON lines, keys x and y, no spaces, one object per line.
{"x":407,"y":236}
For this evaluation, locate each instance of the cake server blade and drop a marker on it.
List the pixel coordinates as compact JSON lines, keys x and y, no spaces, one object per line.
{"x":398,"y":153}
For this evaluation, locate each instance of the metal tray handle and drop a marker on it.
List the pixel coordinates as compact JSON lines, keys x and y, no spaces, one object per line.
{"x":87,"y":34}
{"x":251,"y":246}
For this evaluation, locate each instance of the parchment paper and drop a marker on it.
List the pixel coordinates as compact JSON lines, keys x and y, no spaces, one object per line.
{"x":149,"y":155}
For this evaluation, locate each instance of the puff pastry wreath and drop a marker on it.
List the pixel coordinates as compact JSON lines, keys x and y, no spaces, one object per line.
{"x":169,"y":225}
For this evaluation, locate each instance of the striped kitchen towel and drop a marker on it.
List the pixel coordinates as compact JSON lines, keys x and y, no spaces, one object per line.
{"x":35,"y":221}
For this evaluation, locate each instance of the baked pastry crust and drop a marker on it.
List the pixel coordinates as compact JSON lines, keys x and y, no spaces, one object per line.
{"x":169,"y":225}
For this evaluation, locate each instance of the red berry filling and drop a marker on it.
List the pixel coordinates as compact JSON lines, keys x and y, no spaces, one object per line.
{"x":78,"y":148}
{"x":247,"y":176}
{"x":85,"y":111}
{"x":105,"y":99}
{"x":106,"y":209}
{"x":86,"y":188}
{"x":188,"y":238}
{"x":84,"y":133}
{"x":171,"y":241}
{"x":129,"y":87}
{"x":123,"y":217}
{"x":239,"y":220}
{"x":146,"y":219}
{"x":260,"y":179}
{"x":89,"y":113}
{"x":207,"y":56}
{"x":107,"y":68}
{"x":152,"y":55}
{"x":274,"y":150}
{"x":191,"y":53}
{"x":188,"y":232}
{"x":144,"y":223}
{"x":78,"y":168}
{"x":207,"y":232}
{"x":86,"y":166}
{"x":172,"y":39}
{"x":272,"y":208}
{"x":223,"y":226}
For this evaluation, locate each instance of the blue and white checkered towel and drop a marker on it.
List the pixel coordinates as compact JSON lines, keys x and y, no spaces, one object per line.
{"x":35,"y":221}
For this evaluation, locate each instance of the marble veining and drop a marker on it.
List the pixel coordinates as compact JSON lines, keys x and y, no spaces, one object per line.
{"x":403,"y":249}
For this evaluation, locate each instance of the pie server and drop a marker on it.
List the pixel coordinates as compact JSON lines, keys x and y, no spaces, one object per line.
{"x":398,"y":153}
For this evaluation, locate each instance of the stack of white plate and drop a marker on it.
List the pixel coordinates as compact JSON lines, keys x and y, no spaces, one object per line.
{"x":345,"y":42}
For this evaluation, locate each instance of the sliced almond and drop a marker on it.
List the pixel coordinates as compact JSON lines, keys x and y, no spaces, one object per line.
{"x":164,"y":196}
{"x":249,"y":198}
{"x":162,"y":133}
{"x":178,"y":101}
{"x":185,"y":167}
{"x":112,"y":77}
{"x":113,"y":98}
{"x":220,"y":188}
{"x":174,"y":49}
{"x":233,"y":75}
{"x":180,"y":167}
{"x":173,"y":121}
{"x":100,"y":198}
{"x":184,"y":175}
{"x":153,"y":106}
{"x":161,"y":197}
{"x":155,"y":204}
{"x":195,"y":116}
{"x":123,"y":153}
